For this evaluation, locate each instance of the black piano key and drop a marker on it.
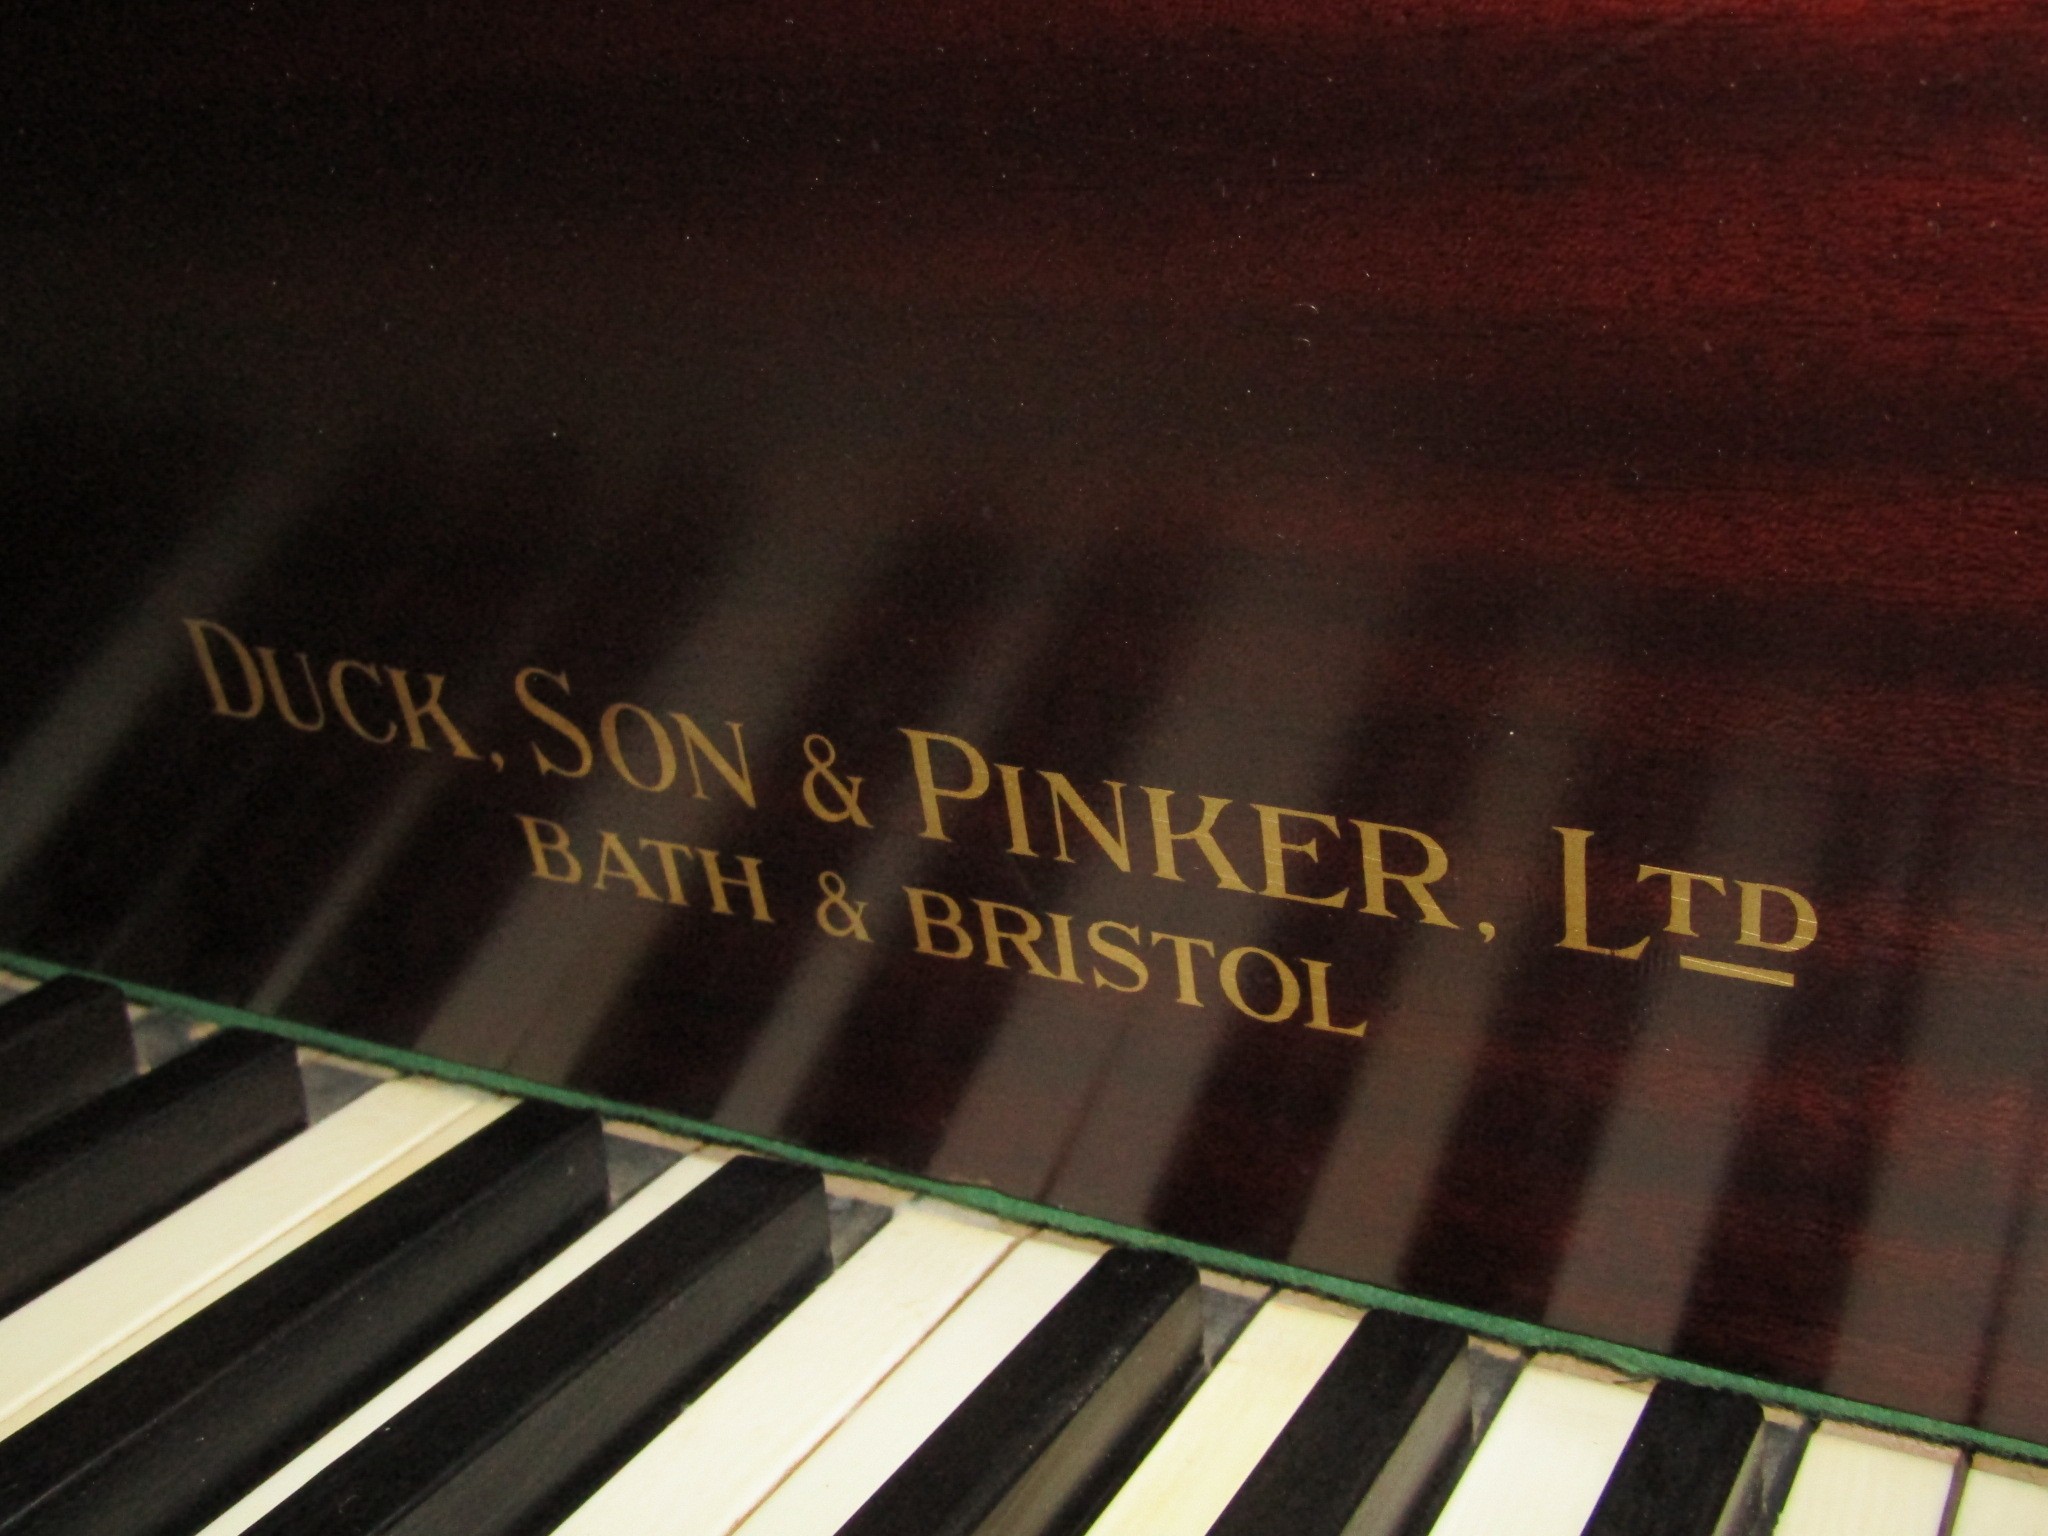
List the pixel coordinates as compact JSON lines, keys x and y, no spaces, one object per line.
{"x":1690,"y":1468}
{"x":60,"y":1045}
{"x":1368,"y":1440}
{"x":522,"y":1433}
{"x":80,"y":1184}
{"x":178,"y":1431}
{"x":1040,"y":1445}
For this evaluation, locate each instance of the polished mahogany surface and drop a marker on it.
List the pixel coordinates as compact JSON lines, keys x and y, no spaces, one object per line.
{"x":479,"y":477}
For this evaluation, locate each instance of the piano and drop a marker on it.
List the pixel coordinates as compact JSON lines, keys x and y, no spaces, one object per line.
{"x":1396,"y":656}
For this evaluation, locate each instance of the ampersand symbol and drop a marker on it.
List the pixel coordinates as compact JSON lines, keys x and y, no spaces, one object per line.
{"x":837,"y":915}
{"x":822,"y":755}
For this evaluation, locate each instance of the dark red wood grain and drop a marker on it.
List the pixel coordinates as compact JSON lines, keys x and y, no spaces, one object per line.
{"x":1478,"y":418}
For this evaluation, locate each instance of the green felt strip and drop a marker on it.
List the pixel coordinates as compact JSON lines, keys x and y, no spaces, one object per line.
{"x":1523,"y":1335}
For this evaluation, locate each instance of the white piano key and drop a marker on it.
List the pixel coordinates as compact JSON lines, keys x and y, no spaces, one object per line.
{"x":1214,"y":1442}
{"x":727,"y":1451}
{"x":529,"y":1294}
{"x":2002,"y":1498}
{"x":1546,"y":1457}
{"x":88,"y":1324}
{"x":878,"y":1437}
{"x":1854,"y":1481}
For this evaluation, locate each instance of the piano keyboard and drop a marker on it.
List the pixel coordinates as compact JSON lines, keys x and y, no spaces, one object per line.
{"x":267,"y":1291}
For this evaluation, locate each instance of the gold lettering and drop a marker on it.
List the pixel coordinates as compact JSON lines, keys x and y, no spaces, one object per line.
{"x":1575,"y":922}
{"x":822,"y":781}
{"x":1682,"y":881}
{"x":924,"y":921}
{"x":1290,"y":989}
{"x":555,"y":721}
{"x":614,"y":749}
{"x":1319,"y":1001}
{"x":671,"y":872}
{"x":200,"y":630}
{"x":1737,"y":972}
{"x":1184,"y":963}
{"x":930,"y":792}
{"x":337,"y":689}
{"x":1201,"y":835}
{"x":1117,"y":954}
{"x":413,"y":712}
{"x":1277,"y":848}
{"x":1805,"y":921}
{"x":1063,"y":946}
{"x":1436,"y":863}
{"x":284,"y":702}
{"x":547,"y":841}
{"x":696,"y":744}
{"x":1022,"y":938}
{"x":1064,"y":799}
{"x":1013,"y":807}
{"x":614,"y":863}
{"x":717,"y":882}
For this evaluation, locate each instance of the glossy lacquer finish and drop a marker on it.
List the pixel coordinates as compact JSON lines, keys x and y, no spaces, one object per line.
{"x":1585,"y":460}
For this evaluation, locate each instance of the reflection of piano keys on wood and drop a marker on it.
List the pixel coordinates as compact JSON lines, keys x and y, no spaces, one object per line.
{"x":1095,"y":1144}
{"x":1502,"y":424}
